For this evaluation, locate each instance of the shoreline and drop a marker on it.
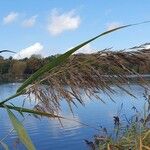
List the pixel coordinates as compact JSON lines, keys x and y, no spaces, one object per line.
{"x":131,"y":78}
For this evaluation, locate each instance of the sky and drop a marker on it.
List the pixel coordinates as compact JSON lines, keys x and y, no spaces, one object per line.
{"x":51,"y":27}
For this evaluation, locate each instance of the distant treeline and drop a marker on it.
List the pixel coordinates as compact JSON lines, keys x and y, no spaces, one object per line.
{"x":15,"y":70}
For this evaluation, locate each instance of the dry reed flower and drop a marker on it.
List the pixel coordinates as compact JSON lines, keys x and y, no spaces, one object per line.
{"x":89,"y":74}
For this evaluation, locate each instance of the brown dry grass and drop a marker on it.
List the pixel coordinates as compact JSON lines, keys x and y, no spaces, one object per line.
{"x":92,"y":73}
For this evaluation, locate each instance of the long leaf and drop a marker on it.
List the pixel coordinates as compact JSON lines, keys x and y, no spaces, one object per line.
{"x":5,"y":50}
{"x":20,"y":131}
{"x":64,"y":56}
{"x":36,"y":112}
{"x":44,"y":114}
{"x":4,"y":145}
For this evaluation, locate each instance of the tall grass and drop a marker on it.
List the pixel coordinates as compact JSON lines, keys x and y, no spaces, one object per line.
{"x":129,"y":133}
{"x":50,"y":107}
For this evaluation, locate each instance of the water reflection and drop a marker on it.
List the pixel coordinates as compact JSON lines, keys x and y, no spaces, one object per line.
{"x":49,"y":134}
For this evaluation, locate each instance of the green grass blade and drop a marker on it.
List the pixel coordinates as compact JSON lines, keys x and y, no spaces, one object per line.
{"x":64,"y":56}
{"x":23,"y":136}
{"x":44,"y":114}
{"x":5,"y":50}
{"x":5,"y":147}
{"x":36,"y":112}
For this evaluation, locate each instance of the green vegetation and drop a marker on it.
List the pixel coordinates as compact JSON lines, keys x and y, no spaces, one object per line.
{"x":55,"y":74}
{"x":134,"y":136}
{"x":16,"y":70}
{"x":13,"y":70}
{"x":128,"y":134}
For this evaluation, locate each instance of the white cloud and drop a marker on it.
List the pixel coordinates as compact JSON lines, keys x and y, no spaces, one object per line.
{"x":113,"y":25}
{"x":11,"y":17}
{"x":27,"y":52}
{"x":59,"y":23}
{"x":87,"y":49}
{"x":29,"y":22}
{"x":147,"y":46}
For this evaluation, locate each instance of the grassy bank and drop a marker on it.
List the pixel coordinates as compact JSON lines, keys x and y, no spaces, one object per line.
{"x":128,"y":133}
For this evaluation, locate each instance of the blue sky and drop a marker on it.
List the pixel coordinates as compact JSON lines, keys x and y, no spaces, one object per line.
{"x":53,"y":26}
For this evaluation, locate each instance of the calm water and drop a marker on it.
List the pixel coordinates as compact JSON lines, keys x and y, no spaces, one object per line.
{"x":48,"y":134}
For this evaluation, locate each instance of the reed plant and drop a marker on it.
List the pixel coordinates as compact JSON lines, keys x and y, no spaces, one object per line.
{"x":63,"y":78}
{"x":129,"y":133}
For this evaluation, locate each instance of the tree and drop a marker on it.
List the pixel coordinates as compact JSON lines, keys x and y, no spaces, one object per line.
{"x":36,"y":56}
{"x":33,"y":64}
{"x":18,"y":68}
{"x":5,"y":67}
{"x":1,"y":58}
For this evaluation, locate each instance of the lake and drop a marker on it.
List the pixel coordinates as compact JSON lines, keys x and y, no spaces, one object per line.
{"x":49,"y":134}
